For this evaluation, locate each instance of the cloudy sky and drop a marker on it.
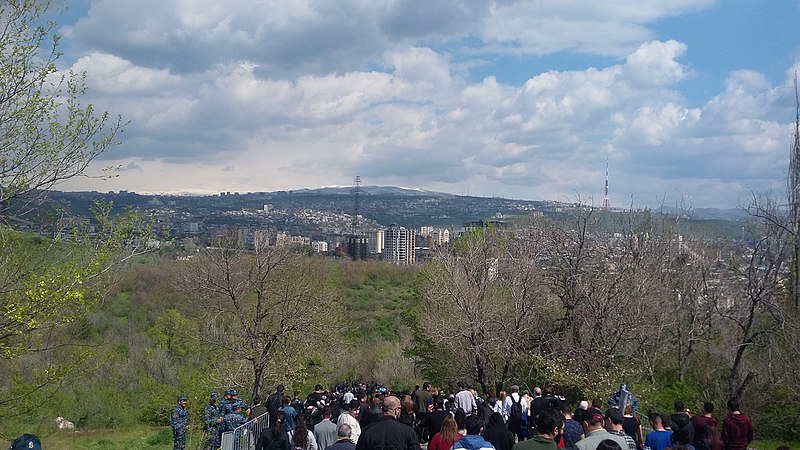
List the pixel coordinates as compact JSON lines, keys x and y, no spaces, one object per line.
{"x":685,"y":99}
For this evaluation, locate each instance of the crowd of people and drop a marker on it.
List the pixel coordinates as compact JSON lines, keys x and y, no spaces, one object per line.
{"x":357,"y":416}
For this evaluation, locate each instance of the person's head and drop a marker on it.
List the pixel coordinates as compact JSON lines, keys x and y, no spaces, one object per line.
{"x":26,"y":442}
{"x":277,"y":427}
{"x":353,"y":407}
{"x":391,"y":406}
{"x":327,"y":412}
{"x":537,"y":391}
{"x":679,"y":406}
{"x":655,"y":420}
{"x":733,"y":404}
{"x":584,"y":405}
{"x":460,"y":385}
{"x":286,"y":400}
{"x":300,"y":436}
{"x":257,"y":400}
{"x":279,"y":389}
{"x":238,"y":407}
{"x":597,"y":403}
{"x":708,"y":408}
{"x":628,"y":409}
{"x":344,"y":431}
{"x":474,"y":424}
{"x":213,"y":398}
{"x":514,"y":389}
{"x":608,"y":444}
{"x":438,"y":402}
{"x":666,"y":421}
{"x":549,"y":422}
{"x":300,"y":422}
{"x":615,"y":418}
{"x":502,"y":396}
{"x":426,"y":386}
{"x":449,"y":429}
{"x":566,"y":410}
{"x":182,"y":400}
{"x":593,"y":419}
{"x":408,"y":405}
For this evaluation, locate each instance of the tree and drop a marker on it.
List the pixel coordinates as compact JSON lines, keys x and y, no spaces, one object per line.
{"x":482,"y":308}
{"x":46,"y":134}
{"x":794,"y":200}
{"x":261,"y":307}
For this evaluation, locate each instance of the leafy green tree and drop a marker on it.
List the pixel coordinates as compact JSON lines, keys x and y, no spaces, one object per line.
{"x":46,"y":134}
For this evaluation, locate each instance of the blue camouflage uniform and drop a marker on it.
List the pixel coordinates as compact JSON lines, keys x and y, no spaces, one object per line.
{"x":210,"y":425}
{"x":226,"y":404}
{"x":179,"y":419}
{"x":234,"y":419}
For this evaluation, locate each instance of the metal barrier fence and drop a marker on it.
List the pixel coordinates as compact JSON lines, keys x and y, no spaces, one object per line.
{"x":246,"y":436}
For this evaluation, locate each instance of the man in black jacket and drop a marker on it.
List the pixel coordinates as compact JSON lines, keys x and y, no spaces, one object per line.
{"x":388,"y":433}
{"x":274,"y":403}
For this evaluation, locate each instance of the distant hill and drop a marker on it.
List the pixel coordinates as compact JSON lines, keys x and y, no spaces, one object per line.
{"x":373,"y":190}
{"x":734,"y":215}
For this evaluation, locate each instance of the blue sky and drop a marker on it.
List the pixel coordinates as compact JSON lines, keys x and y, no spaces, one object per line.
{"x":689,"y":100}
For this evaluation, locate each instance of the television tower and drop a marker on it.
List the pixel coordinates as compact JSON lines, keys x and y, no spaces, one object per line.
{"x":357,"y":242}
{"x":606,"y":203}
{"x":357,"y":191}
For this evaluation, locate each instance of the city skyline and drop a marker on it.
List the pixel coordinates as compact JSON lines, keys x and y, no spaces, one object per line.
{"x":691,"y":100}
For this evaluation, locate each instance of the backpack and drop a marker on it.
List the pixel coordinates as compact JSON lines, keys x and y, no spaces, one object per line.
{"x":515,"y":415}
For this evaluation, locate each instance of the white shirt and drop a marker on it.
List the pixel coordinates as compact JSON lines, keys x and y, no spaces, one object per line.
{"x":355,"y":427}
{"x":465,"y":401}
{"x":513,"y":398}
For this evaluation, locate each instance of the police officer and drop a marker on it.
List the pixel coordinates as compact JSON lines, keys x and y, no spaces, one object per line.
{"x":211,"y":422}
{"x":180,"y":423}
{"x":234,"y":419}
{"x":226,"y":402}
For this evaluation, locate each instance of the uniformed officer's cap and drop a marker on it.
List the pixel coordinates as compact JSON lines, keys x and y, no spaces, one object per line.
{"x":239,"y":404}
{"x":214,"y":396}
{"x":182,"y":397}
{"x":234,"y":392}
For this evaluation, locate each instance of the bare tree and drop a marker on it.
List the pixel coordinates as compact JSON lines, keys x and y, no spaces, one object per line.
{"x":482,"y":307}
{"x":258,"y":304}
{"x":794,"y":200}
{"x":756,"y":290}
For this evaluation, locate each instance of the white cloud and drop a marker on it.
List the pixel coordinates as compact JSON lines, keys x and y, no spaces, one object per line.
{"x":246,"y":95}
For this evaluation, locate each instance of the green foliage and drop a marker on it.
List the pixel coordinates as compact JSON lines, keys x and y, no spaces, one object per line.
{"x":47,"y":135}
{"x":661,"y":398}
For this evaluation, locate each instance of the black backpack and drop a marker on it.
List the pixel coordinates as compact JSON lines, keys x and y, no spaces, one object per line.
{"x":515,"y":415}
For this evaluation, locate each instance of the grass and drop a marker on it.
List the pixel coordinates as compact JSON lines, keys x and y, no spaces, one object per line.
{"x":137,"y":438}
{"x":773,"y":445}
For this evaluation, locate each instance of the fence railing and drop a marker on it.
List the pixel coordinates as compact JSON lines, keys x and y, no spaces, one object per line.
{"x":245,"y":436}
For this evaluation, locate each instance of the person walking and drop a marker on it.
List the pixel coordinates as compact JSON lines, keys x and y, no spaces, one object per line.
{"x":388,"y":433}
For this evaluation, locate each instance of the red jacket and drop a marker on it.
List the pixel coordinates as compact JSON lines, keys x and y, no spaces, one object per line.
{"x":737,"y":431}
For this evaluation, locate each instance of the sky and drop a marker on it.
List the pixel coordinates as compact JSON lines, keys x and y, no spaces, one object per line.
{"x":687,"y":101}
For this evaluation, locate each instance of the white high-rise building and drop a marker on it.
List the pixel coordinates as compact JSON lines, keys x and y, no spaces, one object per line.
{"x":399,"y":245}
{"x":375,"y":243}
